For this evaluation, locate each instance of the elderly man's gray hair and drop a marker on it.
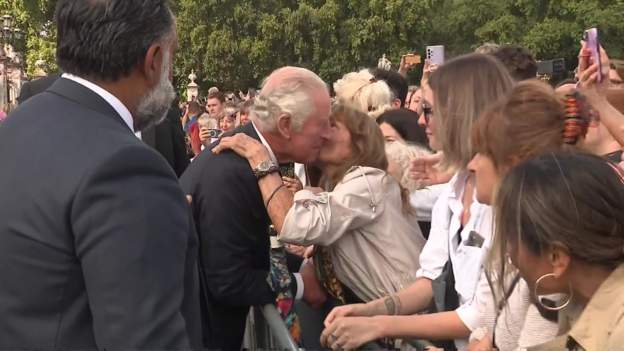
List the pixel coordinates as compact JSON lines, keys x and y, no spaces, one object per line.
{"x":288,"y":90}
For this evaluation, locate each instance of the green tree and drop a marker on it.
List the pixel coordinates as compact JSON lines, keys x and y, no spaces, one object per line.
{"x":549,"y":28}
{"x":34,"y":18}
{"x":234,"y":44}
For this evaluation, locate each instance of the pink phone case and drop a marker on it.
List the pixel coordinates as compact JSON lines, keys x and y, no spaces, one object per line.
{"x":593,"y":43}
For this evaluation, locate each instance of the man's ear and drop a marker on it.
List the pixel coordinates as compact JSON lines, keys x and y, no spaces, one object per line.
{"x":397,"y":103}
{"x":284,"y":125}
{"x":559,"y":258}
{"x":151,"y":67}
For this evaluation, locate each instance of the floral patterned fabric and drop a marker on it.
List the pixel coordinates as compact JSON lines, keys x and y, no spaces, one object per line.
{"x":279,"y":280}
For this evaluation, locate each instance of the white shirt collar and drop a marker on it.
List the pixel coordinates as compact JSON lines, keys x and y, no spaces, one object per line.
{"x":265,"y":143}
{"x":119,"y":107}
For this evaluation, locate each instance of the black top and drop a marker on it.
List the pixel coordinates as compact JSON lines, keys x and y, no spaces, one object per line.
{"x":37,"y":86}
{"x":168,"y":139}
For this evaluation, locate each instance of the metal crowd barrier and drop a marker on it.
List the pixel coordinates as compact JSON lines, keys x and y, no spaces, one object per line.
{"x":266,"y":331}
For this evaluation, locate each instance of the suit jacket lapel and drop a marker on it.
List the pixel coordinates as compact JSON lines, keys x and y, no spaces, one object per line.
{"x":84,"y":96}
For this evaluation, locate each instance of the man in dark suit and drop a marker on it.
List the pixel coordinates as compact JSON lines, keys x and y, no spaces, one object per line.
{"x":37,"y":86}
{"x":165,"y":137}
{"x":98,"y":249}
{"x":291,"y":117}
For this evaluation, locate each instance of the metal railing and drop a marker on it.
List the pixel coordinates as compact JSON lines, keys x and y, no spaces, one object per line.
{"x":266,"y":330}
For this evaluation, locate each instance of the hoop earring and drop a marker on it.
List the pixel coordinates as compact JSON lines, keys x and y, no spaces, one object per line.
{"x":537,"y":296}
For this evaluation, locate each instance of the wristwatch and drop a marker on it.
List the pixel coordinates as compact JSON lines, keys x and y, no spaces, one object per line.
{"x":265,"y":168}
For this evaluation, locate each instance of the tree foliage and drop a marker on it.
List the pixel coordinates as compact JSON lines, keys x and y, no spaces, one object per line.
{"x":34,"y":18}
{"x":233,"y":44}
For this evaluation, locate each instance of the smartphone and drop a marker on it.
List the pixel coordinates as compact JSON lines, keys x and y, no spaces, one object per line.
{"x":435,"y":54}
{"x":412,"y":59}
{"x":214,"y":133}
{"x":593,"y":43}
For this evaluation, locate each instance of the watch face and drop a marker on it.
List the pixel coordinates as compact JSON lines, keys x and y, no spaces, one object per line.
{"x":264,"y":166}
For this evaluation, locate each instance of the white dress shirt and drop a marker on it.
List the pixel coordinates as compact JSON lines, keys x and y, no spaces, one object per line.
{"x":112,"y":100}
{"x":300,"y":172}
{"x":467,"y":259}
{"x":300,"y":287}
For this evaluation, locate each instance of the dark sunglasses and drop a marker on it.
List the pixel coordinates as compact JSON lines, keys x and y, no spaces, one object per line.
{"x":427,"y":112}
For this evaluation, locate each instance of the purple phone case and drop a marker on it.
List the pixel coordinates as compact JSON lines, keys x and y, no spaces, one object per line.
{"x":591,"y":37}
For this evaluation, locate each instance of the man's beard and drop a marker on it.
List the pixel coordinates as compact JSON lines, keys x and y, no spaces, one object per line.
{"x":154,"y":105}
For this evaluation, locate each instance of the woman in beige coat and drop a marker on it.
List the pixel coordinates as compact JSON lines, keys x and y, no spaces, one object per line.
{"x":368,"y":242}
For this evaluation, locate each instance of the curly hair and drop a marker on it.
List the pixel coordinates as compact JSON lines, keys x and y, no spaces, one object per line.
{"x":518,"y":60}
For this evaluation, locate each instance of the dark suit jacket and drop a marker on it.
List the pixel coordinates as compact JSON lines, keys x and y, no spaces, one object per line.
{"x":37,"y":86}
{"x":97,"y":244}
{"x":232,"y":224}
{"x":168,"y":139}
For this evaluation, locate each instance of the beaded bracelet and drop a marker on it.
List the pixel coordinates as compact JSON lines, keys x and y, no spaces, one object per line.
{"x":273,"y":194}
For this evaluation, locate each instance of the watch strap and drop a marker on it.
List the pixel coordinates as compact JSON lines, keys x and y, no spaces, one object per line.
{"x":263,"y":173}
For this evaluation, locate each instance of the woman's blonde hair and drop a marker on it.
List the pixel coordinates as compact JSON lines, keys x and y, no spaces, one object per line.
{"x":363,"y":91}
{"x":402,"y":155}
{"x":206,"y":121}
{"x":463,"y":88}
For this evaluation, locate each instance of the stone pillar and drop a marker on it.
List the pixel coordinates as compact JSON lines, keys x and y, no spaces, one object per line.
{"x":4,"y":81}
{"x":192,"y":90}
{"x":16,"y":77}
{"x":384,"y":63}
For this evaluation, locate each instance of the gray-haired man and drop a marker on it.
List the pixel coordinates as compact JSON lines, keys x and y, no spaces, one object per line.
{"x":291,"y":118}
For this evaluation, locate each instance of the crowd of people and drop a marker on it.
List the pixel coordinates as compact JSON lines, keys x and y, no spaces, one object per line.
{"x":481,"y":210}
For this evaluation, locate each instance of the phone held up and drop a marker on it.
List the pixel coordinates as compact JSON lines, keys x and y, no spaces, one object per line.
{"x":593,"y":43}
{"x":412,"y":59}
{"x":214,"y":133}
{"x":435,"y":54}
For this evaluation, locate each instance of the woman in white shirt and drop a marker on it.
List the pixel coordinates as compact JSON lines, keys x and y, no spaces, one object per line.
{"x":458,"y":93}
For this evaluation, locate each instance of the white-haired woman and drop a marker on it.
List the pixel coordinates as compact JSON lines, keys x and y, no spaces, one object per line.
{"x":363,"y":91}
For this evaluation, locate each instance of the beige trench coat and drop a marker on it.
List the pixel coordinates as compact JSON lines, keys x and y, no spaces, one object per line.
{"x":374,"y":245}
{"x":600,"y":326}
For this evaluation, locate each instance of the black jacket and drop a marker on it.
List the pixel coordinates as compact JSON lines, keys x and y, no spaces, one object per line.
{"x":168,"y":139}
{"x":98,"y":249}
{"x":232,"y":224}
{"x":37,"y":86}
